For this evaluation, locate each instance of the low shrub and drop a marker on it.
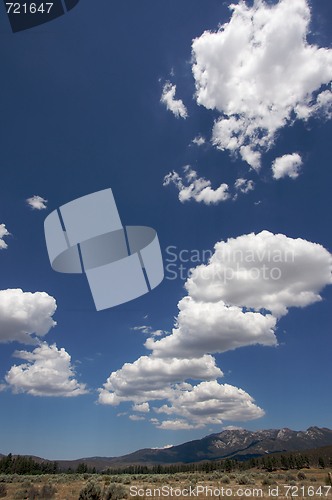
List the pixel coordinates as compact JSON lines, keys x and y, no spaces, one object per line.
{"x":289,"y":477}
{"x":313,"y":479}
{"x":225,"y":480}
{"x":33,"y":493}
{"x":301,"y":476}
{"x":244,"y":480}
{"x":187,"y":486}
{"x":48,"y":491}
{"x":115,"y":492}
{"x":116,"y":479}
{"x":91,"y":491}
{"x":3,"y":490}
{"x":279,"y":476}
{"x":21,"y":494}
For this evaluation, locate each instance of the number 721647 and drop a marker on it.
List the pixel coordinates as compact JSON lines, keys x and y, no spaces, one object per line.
{"x":15,"y":8}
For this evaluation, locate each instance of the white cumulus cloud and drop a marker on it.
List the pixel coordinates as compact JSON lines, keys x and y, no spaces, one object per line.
{"x":175,"y":105}
{"x":213,"y":327}
{"x":23,"y":314}
{"x":197,"y":188}
{"x":229,"y":297}
{"x":151,"y":378}
{"x":234,"y":300}
{"x":263,"y":270}
{"x":258,"y":70}
{"x":3,"y":232}
{"x":287,"y":165}
{"x":210,"y":402}
{"x":48,"y":372}
{"x":37,"y":202}
{"x":143,"y":408}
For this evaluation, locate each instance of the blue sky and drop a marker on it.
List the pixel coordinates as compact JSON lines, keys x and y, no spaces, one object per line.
{"x":212,"y":125}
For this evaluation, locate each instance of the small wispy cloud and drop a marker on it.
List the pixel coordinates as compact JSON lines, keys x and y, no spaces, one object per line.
{"x":244,"y":185}
{"x":144,"y":329}
{"x":196,"y":188}
{"x":199,"y":140}
{"x":163,"y":447}
{"x":232,"y":428}
{"x":37,"y":203}
{"x":175,"y":105}
{"x":3,"y":232}
{"x":148,"y":330}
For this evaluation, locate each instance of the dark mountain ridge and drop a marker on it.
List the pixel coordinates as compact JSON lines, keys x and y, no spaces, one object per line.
{"x":239,"y":443}
{"x":231,"y":442}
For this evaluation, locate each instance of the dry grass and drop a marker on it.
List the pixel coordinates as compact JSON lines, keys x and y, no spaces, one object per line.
{"x":68,"y":487}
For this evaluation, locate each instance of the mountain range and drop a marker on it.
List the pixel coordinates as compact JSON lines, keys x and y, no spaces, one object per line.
{"x":238,"y":443}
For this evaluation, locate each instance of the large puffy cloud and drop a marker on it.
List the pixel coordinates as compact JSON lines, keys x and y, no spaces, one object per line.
{"x":175,"y":105}
{"x":235,"y":300}
{"x":213,"y":327}
{"x":264,"y":270}
{"x":3,"y":232}
{"x":23,"y":314}
{"x":152,"y":378}
{"x":210,"y":402}
{"x":287,"y":165}
{"x":258,"y":70}
{"x":197,"y":188}
{"x":48,"y":372}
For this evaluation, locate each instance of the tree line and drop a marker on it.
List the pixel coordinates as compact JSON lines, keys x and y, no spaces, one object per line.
{"x":26,"y":465}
